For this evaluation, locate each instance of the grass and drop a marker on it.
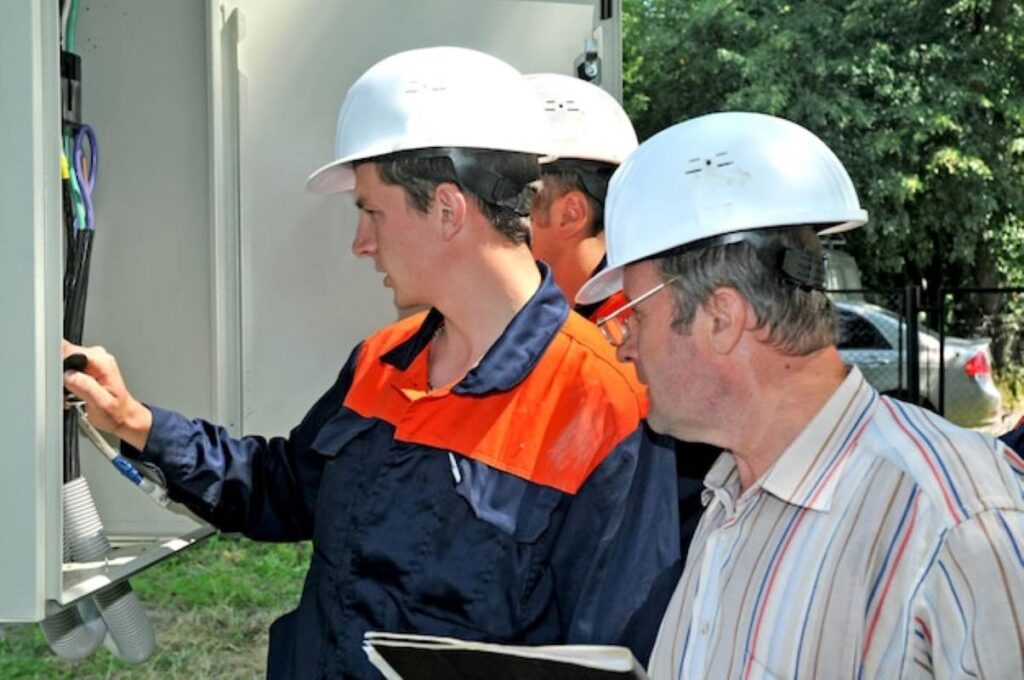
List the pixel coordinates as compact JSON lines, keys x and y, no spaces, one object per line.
{"x":211,"y":608}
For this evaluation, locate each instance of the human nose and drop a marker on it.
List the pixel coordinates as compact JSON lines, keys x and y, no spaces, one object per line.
{"x":365,"y":242}
{"x":626,"y":350}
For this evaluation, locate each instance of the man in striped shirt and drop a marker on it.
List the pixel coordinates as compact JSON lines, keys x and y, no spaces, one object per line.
{"x":845,"y":534}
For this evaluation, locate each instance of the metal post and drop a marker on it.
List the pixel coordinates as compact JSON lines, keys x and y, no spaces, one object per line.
{"x":913,"y":305}
{"x":942,"y":352}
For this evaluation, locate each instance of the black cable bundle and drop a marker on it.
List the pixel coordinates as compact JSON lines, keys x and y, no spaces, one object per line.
{"x":76,"y":286}
{"x":78,"y":172}
{"x":76,"y":283}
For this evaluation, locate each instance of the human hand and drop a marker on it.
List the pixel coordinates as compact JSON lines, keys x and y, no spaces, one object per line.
{"x":108,"y":403}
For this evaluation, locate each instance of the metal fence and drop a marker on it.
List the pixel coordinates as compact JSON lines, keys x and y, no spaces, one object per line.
{"x":944,"y":351}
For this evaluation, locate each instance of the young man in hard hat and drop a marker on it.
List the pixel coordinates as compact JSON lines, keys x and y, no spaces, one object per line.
{"x":469,"y":472}
{"x":846,"y":534}
{"x":591,"y":135}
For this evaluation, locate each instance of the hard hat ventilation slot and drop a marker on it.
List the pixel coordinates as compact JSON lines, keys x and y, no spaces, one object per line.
{"x":555,"y":105}
{"x":697,"y":165}
{"x":418,"y":86}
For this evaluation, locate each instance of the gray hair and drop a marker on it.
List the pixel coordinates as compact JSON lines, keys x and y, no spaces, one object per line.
{"x":799,"y":320}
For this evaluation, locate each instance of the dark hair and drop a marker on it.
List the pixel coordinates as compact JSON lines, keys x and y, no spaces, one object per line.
{"x":799,"y":320}
{"x":588,"y":177}
{"x":420,"y":174}
{"x":558,"y":184}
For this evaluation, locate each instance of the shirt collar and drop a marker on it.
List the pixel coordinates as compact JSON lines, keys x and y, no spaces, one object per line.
{"x":511,"y":358}
{"x":808,"y":471}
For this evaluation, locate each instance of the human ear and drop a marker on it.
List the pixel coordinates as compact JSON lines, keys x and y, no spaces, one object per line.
{"x":450,"y":204}
{"x":574,"y":220}
{"x":729,"y":316}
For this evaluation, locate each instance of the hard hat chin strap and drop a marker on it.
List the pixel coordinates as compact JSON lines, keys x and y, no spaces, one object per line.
{"x":474,"y":175}
{"x":593,"y":175}
{"x":490,"y":186}
{"x":804,"y":268}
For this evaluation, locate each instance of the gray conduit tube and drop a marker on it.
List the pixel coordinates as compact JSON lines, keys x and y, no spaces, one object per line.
{"x":129,"y":627}
{"x":125,"y":620}
{"x":72,"y":637}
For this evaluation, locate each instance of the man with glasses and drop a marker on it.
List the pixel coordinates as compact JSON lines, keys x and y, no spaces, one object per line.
{"x":846,"y":534}
{"x":615,"y":326}
{"x":476,"y":470}
{"x":590,"y":137}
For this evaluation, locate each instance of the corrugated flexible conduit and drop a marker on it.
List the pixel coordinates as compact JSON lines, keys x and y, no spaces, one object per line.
{"x":113,"y":613}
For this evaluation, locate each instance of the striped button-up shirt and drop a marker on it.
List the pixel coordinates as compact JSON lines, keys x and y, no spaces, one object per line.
{"x":885,"y":542}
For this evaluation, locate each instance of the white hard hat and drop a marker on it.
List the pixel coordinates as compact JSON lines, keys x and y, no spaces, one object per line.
{"x":716,"y":175}
{"x":586,"y":122}
{"x":433,"y":97}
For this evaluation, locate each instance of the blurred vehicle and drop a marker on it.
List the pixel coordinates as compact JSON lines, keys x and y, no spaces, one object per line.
{"x":874,"y":339}
{"x":842,"y":275}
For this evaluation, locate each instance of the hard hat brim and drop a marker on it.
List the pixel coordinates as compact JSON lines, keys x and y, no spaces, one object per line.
{"x":605,"y":283}
{"x":334,"y":178}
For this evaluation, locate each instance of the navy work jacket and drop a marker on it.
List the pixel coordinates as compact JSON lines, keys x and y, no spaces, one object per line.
{"x":415,"y":538}
{"x":1015,"y":438}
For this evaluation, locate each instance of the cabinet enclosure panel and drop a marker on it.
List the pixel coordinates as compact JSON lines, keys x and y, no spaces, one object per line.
{"x":224,"y":290}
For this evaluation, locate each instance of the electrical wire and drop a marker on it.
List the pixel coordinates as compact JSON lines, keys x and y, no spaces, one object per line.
{"x":156,"y":492}
{"x":76,"y":192}
{"x":78,"y":179}
{"x":65,"y":10}
{"x":86,"y":176}
{"x":69,"y":33}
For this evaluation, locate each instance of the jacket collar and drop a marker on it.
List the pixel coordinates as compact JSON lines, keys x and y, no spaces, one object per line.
{"x":588,"y":311}
{"x":511,"y":358}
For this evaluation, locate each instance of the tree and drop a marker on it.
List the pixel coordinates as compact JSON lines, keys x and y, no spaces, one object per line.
{"x":921,"y":99}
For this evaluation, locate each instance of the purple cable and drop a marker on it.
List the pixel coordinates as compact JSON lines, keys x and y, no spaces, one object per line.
{"x":94,"y":160}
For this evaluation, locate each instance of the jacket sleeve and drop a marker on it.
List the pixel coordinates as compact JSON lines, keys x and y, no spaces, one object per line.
{"x":1015,"y":439}
{"x":619,"y":536}
{"x":263,"y":488}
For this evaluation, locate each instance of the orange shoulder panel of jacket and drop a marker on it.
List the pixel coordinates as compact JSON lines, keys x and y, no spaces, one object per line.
{"x":554,"y":428}
{"x":596,"y":340}
{"x":610,"y":304}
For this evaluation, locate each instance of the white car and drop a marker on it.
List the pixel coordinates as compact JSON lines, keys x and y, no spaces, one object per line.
{"x":874,"y":339}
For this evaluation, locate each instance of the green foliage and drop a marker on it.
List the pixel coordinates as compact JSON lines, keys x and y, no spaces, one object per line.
{"x":1010,"y":382}
{"x":922,"y":100}
{"x":211,"y":608}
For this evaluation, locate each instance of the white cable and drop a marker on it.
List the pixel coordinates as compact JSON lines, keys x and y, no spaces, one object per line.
{"x":156,"y":492}
{"x":64,"y":13}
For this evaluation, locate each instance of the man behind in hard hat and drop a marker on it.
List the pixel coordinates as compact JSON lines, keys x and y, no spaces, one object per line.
{"x":846,"y":534}
{"x":591,"y":135}
{"x":469,"y":472}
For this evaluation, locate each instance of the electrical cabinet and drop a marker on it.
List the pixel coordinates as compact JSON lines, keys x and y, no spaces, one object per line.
{"x":225,"y":291}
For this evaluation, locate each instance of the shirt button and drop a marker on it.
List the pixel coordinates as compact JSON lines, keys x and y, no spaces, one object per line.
{"x":704,"y":627}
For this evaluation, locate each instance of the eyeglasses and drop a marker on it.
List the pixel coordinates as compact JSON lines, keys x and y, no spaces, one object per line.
{"x":615,"y":326}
